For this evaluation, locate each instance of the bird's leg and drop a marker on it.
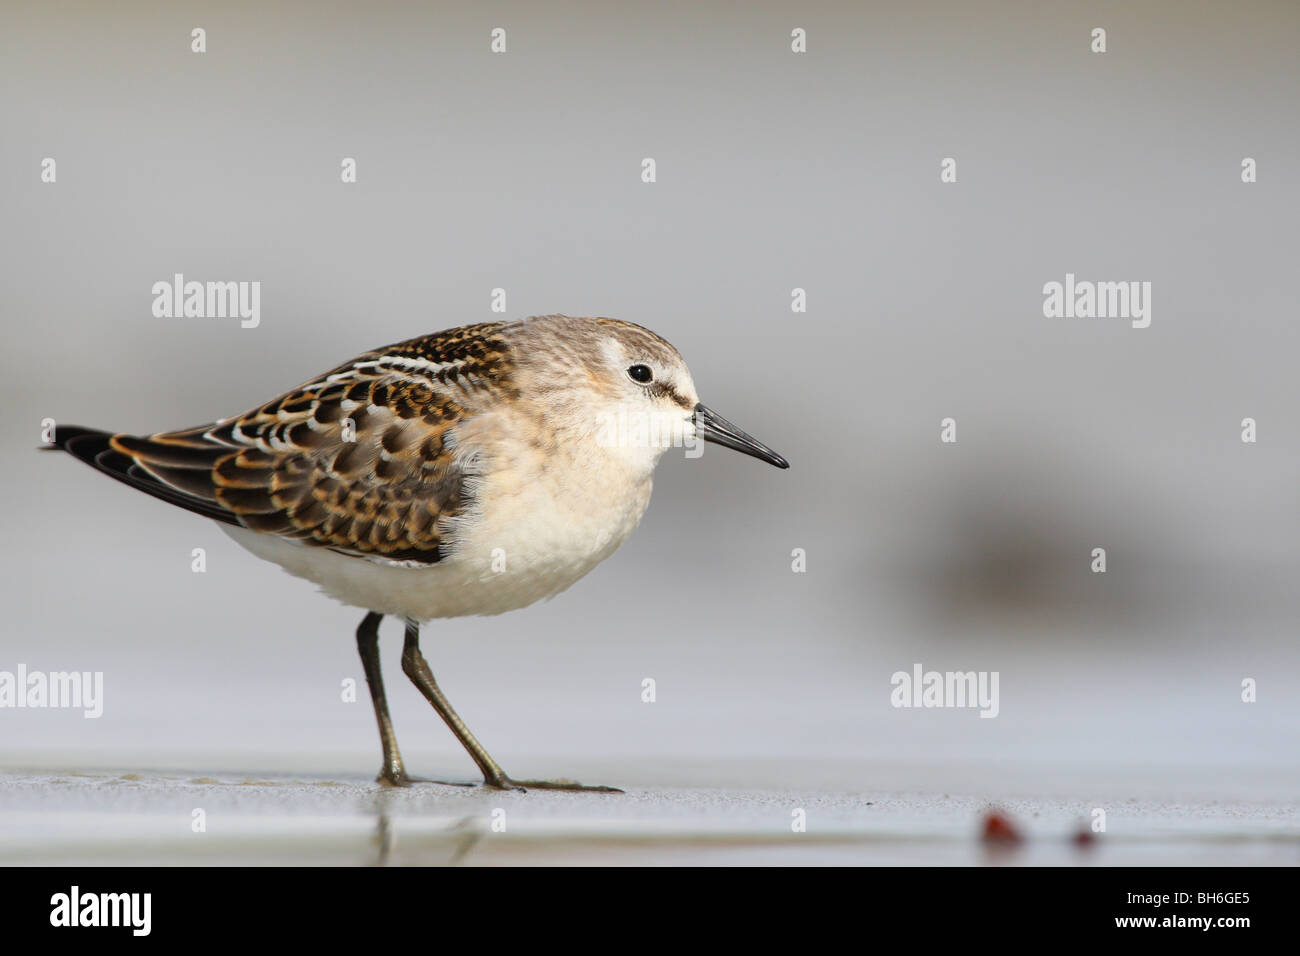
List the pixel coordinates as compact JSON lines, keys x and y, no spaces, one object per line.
{"x":417,"y":669}
{"x":392,"y":772}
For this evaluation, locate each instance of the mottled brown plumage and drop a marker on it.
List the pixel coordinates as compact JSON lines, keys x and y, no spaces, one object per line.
{"x":361,"y":459}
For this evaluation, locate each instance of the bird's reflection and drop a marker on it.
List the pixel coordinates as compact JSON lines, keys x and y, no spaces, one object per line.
{"x":464,"y":833}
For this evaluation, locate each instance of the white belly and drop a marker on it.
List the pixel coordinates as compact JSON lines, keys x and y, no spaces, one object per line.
{"x":531,"y":539}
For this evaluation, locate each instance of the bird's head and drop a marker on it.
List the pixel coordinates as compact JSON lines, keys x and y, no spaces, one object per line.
{"x":623,"y":388}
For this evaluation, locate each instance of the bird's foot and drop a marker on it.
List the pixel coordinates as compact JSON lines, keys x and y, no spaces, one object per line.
{"x":400,"y":778}
{"x":509,"y":783}
{"x":395,"y":777}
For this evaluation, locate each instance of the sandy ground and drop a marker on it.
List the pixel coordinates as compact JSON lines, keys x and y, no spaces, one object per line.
{"x":143,"y":817}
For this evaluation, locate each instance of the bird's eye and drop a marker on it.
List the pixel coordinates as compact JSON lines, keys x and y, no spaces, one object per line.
{"x":640,"y":373}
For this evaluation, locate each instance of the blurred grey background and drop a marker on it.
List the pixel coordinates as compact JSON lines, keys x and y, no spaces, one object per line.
{"x":775,"y":170}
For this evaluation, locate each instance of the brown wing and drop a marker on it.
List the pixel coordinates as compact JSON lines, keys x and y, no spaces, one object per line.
{"x":361,"y":459}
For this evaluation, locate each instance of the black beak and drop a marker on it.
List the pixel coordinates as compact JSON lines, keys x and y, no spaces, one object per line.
{"x":711,"y":426}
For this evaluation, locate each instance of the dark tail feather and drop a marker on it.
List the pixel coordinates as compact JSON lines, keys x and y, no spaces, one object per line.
{"x":64,"y":435}
{"x":95,"y":448}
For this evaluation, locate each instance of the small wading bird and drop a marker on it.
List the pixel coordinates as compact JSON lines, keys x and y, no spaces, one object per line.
{"x":397,"y":480}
